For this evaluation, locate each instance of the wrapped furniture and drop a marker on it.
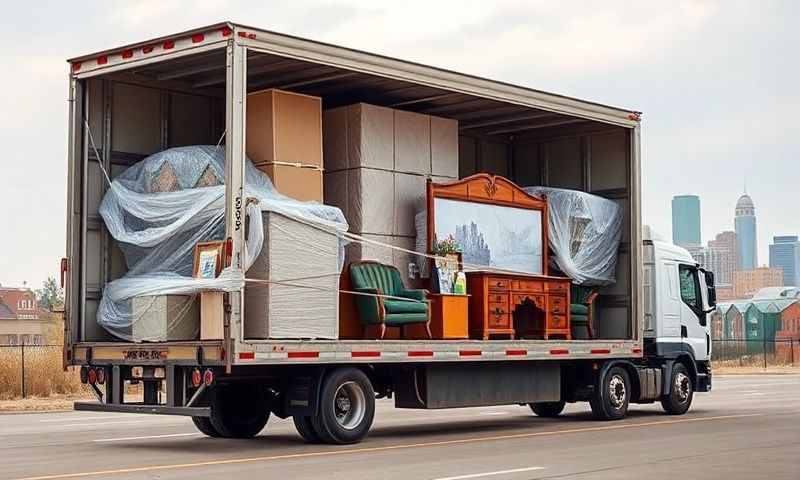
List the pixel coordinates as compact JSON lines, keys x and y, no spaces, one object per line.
{"x":299,"y":298}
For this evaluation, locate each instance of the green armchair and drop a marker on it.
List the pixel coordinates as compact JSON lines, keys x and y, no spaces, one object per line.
{"x":405,"y":307}
{"x":581,"y":308}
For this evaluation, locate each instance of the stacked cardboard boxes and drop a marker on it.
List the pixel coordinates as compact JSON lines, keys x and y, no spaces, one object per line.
{"x":377,"y":162}
{"x":284,"y":140}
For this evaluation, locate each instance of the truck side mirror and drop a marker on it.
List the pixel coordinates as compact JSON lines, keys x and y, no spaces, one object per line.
{"x":712,"y":290}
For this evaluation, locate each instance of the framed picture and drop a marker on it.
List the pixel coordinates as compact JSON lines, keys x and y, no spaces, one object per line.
{"x":496,"y":223}
{"x":208,"y":259}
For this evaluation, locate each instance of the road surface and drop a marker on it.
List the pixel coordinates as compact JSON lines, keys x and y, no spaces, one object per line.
{"x":749,"y":427}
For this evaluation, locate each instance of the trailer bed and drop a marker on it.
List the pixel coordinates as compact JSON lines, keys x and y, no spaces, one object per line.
{"x":283,"y":352}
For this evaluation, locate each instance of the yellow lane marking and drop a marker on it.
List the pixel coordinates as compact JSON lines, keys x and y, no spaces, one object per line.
{"x":230,"y":461}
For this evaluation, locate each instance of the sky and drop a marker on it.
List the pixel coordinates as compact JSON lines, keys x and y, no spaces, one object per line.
{"x":717,"y":82}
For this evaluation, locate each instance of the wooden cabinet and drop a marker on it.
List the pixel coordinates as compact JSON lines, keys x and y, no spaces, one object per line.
{"x":449,"y":318}
{"x":496,"y":296}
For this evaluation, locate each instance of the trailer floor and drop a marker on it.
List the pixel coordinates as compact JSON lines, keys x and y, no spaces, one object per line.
{"x":746,"y":428}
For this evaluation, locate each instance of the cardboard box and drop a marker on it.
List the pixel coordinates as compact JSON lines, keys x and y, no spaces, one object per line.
{"x":409,"y":198}
{"x":412,"y":142}
{"x":303,"y":184}
{"x":164,"y":318}
{"x":299,"y":299}
{"x":212,"y":316}
{"x":365,"y":196}
{"x":284,"y":127}
{"x":444,"y":147}
{"x":359,"y":135}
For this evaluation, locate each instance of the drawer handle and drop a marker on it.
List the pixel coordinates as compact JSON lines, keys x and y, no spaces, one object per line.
{"x":499,"y":284}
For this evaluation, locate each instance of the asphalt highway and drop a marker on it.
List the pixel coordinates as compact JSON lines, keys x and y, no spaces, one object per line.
{"x":747,"y":428}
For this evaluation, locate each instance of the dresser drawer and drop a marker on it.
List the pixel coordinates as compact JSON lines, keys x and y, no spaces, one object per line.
{"x":498,"y":307}
{"x":557,"y":304}
{"x":499,"y":320}
{"x":556,"y":286}
{"x":538,"y":300}
{"x":558,"y":321}
{"x":495,"y":297}
{"x":528,"y":285}
{"x":499,"y":283}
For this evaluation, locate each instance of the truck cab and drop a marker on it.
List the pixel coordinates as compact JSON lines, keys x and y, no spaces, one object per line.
{"x":679,"y":297}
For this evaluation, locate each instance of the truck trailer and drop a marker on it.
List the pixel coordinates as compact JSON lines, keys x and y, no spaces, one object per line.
{"x":652,"y":340}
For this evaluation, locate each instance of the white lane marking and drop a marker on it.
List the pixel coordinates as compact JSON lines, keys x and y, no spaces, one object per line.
{"x":489,"y":474}
{"x":169,"y":435}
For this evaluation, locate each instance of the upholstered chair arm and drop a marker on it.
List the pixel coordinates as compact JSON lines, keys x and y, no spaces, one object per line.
{"x":370,"y":308}
{"x":420,"y":295}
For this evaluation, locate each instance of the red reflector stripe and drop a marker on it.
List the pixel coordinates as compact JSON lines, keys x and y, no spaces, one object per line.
{"x":516,"y":352}
{"x":226,"y":32}
{"x":251,"y":36}
{"x":469,"y":353}
{"x":303,"y":354}
{"x":559,"y":351}
{"x":168,"y":44}
{"x":102,"y":60}
{"x":147,"y":49}
{"x":247,"y":355}
{"x":198,"y":37}
{"x":127,"y":53}
{"x":420,"y":353}
{"x":600,"y":351}
{"x":637,"y":350}
{"x":76,"y":66}
{"x":365,"y":354}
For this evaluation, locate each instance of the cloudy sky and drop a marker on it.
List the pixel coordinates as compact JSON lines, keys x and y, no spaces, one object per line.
{"x":717,"y":82}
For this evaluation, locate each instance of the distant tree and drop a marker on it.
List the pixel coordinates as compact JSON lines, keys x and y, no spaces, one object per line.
{"x":50,"y":294}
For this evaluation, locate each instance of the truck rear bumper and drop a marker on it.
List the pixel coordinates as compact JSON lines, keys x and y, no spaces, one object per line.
{"x":141,"y":408}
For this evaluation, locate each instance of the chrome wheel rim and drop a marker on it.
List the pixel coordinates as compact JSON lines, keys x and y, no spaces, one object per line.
{"x":617,"y":391}
{"x":349,"y":405}
{"x":683,"y":387}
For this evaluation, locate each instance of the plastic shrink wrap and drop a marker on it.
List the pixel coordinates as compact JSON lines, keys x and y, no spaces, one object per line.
{"x":584,"y":233}
{"x":158,"y":209}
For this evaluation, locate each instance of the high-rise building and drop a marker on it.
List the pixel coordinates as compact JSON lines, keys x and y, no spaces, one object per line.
{"x":745,"y":226}
{"x":748,"y":282}
{"x":722,"y":257}
{"x":686,"y":220}
{"x":784,"y":253}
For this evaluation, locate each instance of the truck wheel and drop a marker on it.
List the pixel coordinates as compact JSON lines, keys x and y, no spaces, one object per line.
{"x":610,"y":401}
{"x":305,"y":428}
{"x":681,"y":392}
{"x":547,"y":409}
{"x":347,"y":407}
{"x":204,"y":425}
{"x":238,"y":410}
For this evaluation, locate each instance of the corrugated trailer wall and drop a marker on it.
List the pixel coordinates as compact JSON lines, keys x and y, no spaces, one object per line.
{"x":597,"y":161}
{"x":129,"y":121}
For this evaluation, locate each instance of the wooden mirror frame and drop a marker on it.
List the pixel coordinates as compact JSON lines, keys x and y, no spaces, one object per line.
{"x":491,"y":189}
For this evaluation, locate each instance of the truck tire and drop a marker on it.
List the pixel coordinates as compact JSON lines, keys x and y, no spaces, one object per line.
{"x":305,"y":428}
{"x":238,"y":410}
{"x":547,"y":409}
{"x":610,"y":401}
{"x":204,"y":425}
{"x":681,"y":391}
{"x":346,"y":407}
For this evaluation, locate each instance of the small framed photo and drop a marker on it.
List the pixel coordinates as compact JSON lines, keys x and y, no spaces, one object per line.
{"x":208,"y":259}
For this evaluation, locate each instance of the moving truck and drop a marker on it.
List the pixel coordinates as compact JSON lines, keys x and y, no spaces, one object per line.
{"x":651,"y":344}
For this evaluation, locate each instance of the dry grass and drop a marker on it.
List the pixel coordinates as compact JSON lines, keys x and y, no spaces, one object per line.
{"x":44,"y":374}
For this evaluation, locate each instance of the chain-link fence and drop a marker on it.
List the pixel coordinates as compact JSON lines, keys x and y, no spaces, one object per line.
{"x":35,"y":371}
{"x":756,"y":353}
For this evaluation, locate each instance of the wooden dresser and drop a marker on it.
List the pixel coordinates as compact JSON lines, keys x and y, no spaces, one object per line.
{"x":496,"y":295}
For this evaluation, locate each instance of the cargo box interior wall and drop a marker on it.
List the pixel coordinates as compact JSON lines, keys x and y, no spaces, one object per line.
{"x":176,"y":102}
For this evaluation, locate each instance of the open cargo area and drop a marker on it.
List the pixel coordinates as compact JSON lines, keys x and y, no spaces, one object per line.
{"x":381,"y":139}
